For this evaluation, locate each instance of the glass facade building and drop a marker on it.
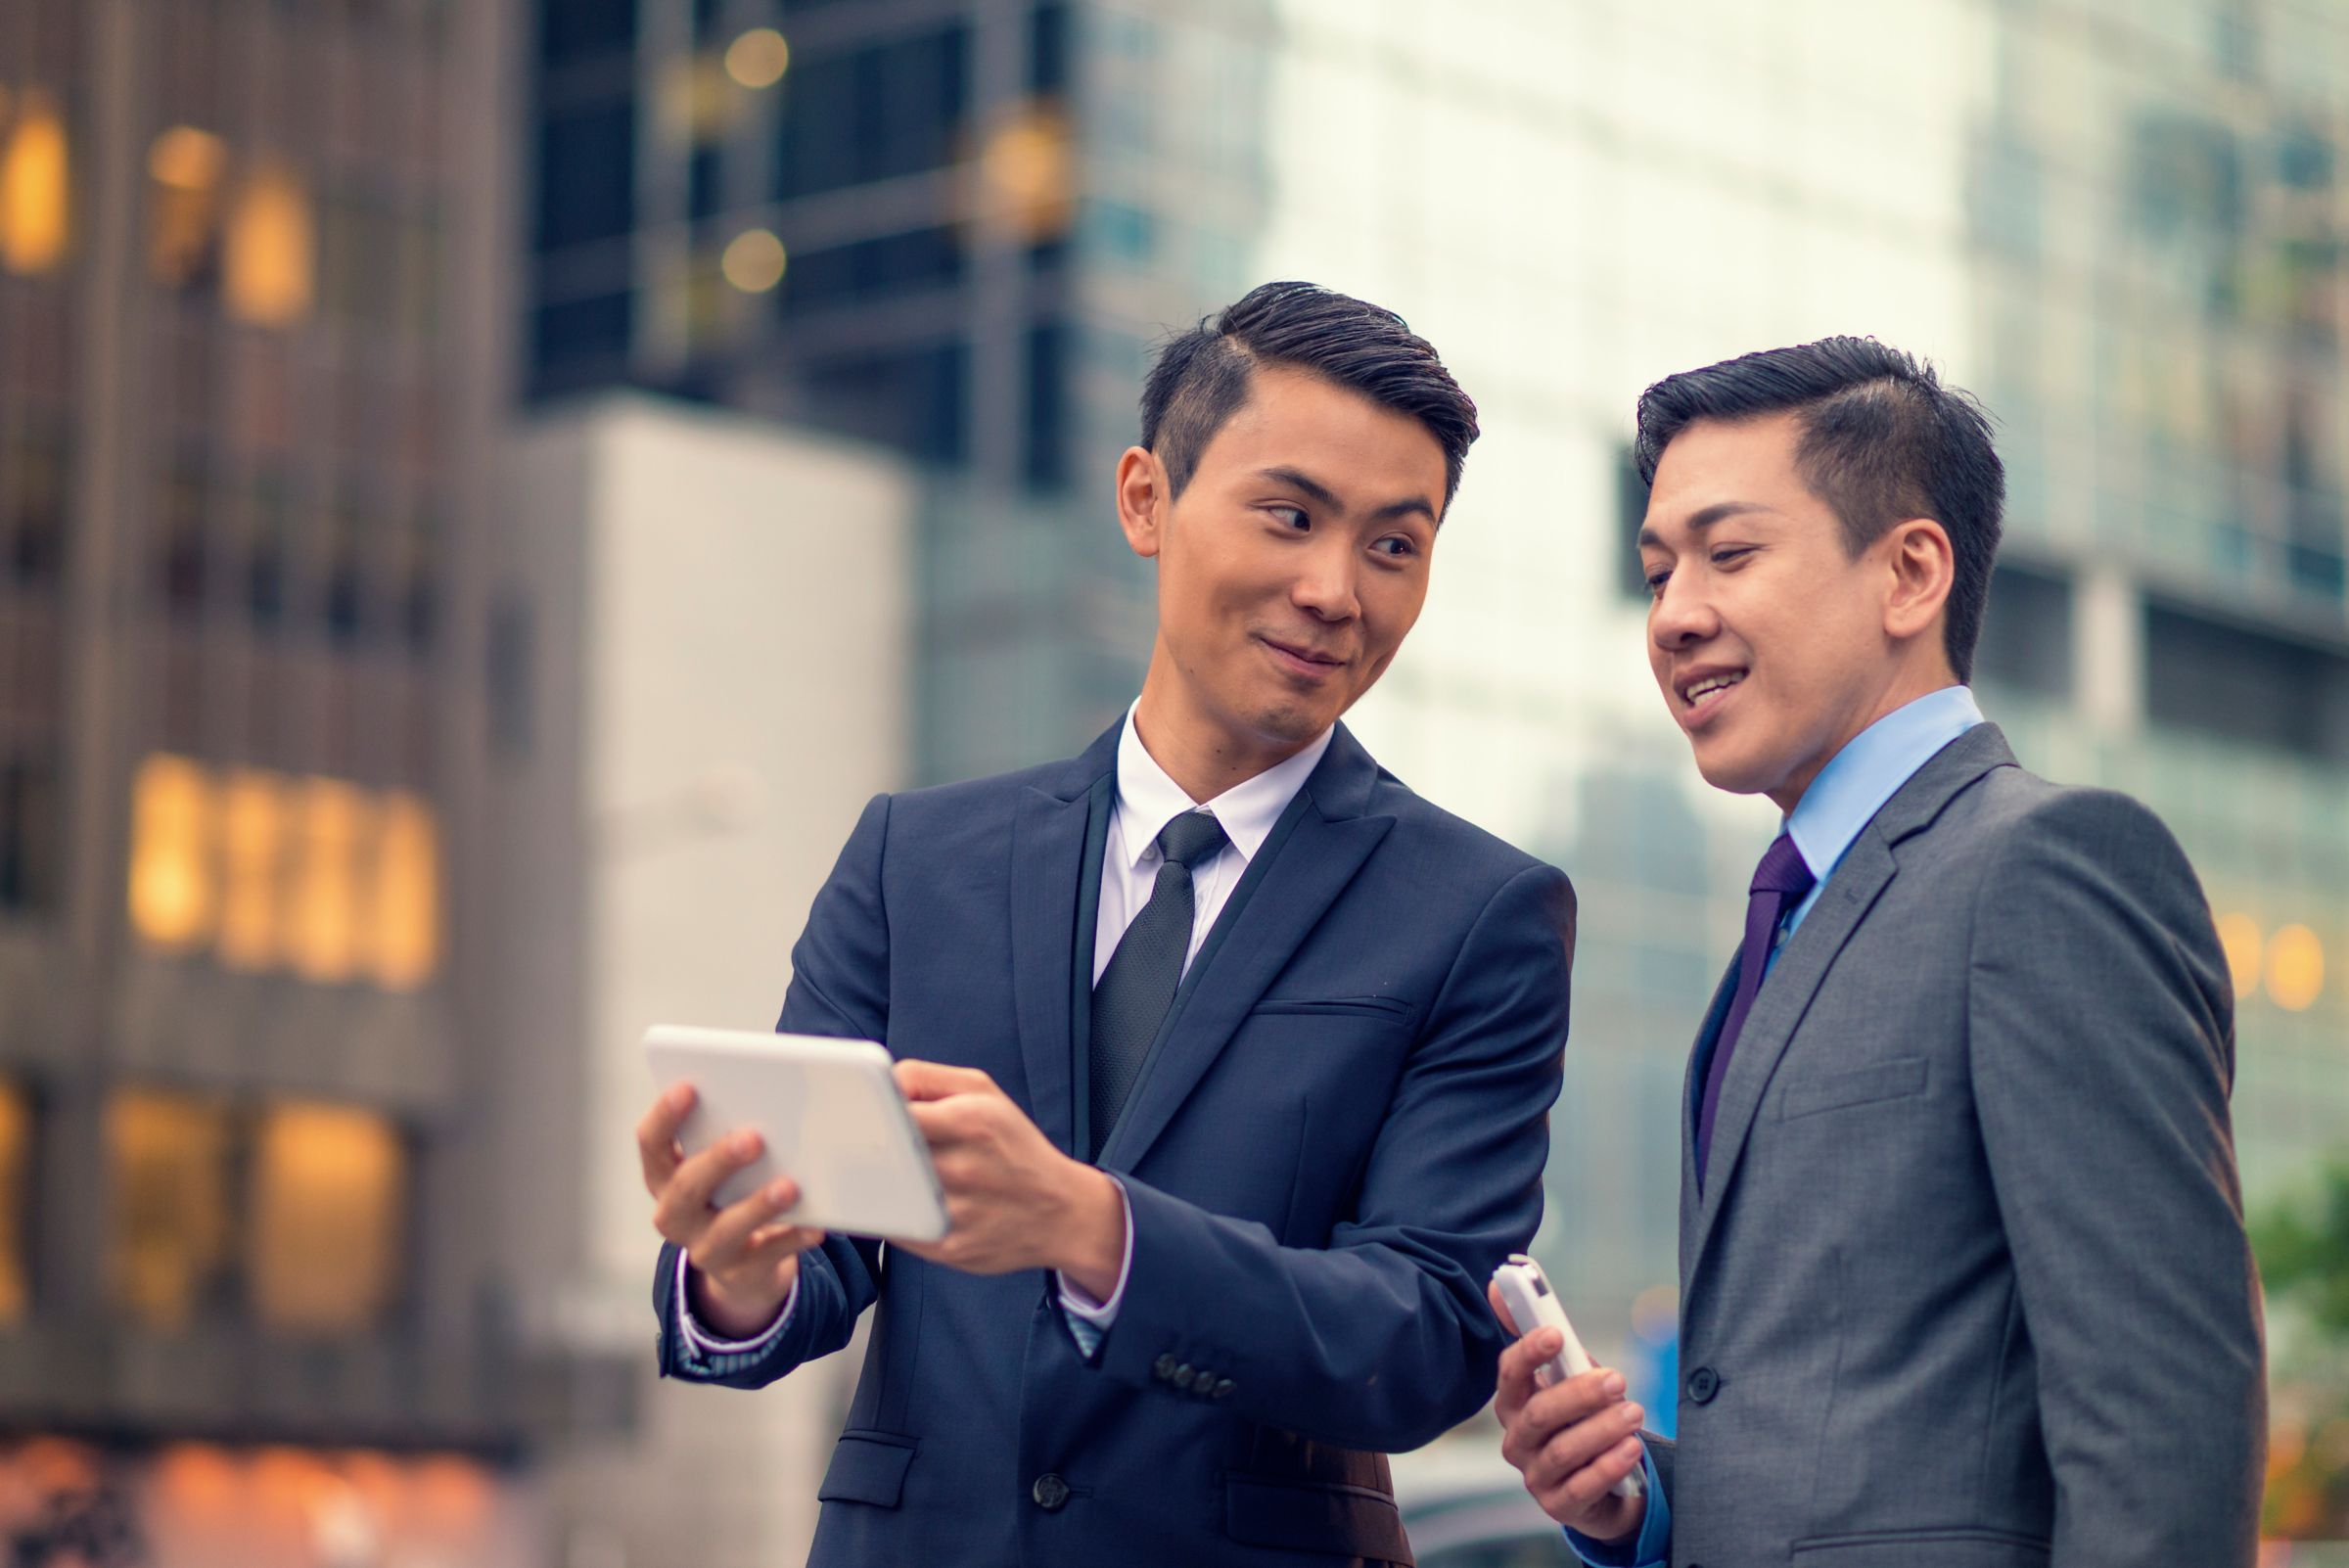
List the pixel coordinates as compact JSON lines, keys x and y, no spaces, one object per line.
{"x":2122,"y":225}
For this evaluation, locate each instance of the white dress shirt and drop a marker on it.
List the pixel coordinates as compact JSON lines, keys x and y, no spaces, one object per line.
{"x":1147,"y":800}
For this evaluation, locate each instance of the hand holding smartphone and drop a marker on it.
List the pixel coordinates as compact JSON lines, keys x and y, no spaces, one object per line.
{"x":1525,"y":1290}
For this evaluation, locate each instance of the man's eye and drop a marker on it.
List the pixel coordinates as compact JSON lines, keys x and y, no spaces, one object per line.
{"x":1730,"y":557}
{"x":1293,"y":517}
{"x":1395,"y":545}
{"x":1656,"y":580}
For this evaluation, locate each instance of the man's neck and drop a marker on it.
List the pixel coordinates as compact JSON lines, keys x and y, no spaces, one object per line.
{"x":1204,"y":758}
{"x":1905,"y":687}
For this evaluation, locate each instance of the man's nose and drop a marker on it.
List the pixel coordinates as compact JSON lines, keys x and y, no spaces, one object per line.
{"x":1680,"y":616}
{"x":1325,"y":586}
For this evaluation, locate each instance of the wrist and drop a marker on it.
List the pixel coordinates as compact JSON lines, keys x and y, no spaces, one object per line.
{"x":1092,"y":1245}
{"x":726,"y":1314}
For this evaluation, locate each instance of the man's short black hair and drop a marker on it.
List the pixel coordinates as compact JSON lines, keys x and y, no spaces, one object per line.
{"x":1883,"y":440}
{"x":1201,"y":378}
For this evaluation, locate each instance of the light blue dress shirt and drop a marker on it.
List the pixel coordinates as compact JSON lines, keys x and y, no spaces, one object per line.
{"x":1844,"y":799}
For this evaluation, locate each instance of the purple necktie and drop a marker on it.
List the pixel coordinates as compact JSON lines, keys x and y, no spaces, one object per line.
{"x":1779,"y":883}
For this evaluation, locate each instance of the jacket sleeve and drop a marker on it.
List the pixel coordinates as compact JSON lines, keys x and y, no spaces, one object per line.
{"x":1382,"y":1339}
{"x":2101,"y":1026}
{"x":839,"y":986}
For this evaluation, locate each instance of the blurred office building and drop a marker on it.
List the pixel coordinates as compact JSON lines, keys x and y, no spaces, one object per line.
{"x":256,"y":1300}
{"x":954,"y":228}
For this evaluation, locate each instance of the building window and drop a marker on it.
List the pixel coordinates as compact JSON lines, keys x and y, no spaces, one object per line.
{"x":31,"y":838}
{"x":171,"y":1229}
{"x":32,"y":509}
{"x":15,"y":1203}
{"x":328,"y":1216}
{"x":185,"y":170}
{"x":322,"y":935}
{"x":2027,"y":632}
{"x":269,"y":270}
{"x":1630,"y":515}
{"x":171,"y":892}
{"x":586,"y":176}
{"x":253,"y":843}
{"x":35,"y":188}
{"x":2246,"y":685}
{"x":405,"y":920}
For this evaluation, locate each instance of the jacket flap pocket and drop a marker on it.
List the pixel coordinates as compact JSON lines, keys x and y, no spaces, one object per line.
{"x":1300,"y":1517}
{"x":1861,"y":1085}
{"x":1923,"y":1548}
{"x":1375,"y":1006}
{"x":867,"y":1467}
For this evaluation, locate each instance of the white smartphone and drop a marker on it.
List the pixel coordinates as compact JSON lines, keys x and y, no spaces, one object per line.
{"x":1526,"y":1292}
{"x":831,"y":1117}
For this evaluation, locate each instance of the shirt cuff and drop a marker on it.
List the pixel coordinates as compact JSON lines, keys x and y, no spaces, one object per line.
{"x":1083,"y":1312}
{"x":1651,"y":1548}
{"x":709,"y":1344}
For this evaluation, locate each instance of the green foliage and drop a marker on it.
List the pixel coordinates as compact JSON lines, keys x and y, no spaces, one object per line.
{"x":2304,"y":1254}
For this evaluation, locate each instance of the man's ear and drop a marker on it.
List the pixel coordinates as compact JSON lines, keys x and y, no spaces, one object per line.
{"x":1143,"y":496}
{"x":1921,"y":568}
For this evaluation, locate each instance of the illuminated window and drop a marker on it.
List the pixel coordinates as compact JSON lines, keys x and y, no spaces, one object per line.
{"x":322,"y":934}
{"x":171,"y":892}
{"x":35,"y":186}
{"x":252,"y":835}
{"x":759,"y":57}
{"x":329,"y":1188}
{"x":405,"y":919}
{"x":169,"y":1232}
{"x":270,"y":266}
{"x":1026,"y":172}
{"x":2240,"y":935}
{"x":753,"y":262}
{"x":2295,"y":968}
{"x":15,"y":1181}
{"x":185,"y":167}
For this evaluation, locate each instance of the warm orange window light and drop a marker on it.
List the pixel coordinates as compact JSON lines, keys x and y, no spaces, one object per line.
{"x":2295,"y":968}
{"x":404,"y":921}
{"x":173,"y":896}
{"x":186,"y":167}
{"x":328,"y":1190}
{"x":270,"y":270}
{"x":35,"y":183}
{"x":253,"y":838}
{"x":2239,"y":934}
{"x":15,"y":1186}
{"x":321,"y":934}
{"x":170,"y":1227}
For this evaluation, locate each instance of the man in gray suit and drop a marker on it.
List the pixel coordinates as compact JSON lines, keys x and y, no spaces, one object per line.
{"x":1964,"y":1279}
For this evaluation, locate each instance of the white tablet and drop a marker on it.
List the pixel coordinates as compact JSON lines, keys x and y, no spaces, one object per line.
{"x":831,"y":1118}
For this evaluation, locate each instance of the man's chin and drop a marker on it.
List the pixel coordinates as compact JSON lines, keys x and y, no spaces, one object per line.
{"x":1733,"y":774}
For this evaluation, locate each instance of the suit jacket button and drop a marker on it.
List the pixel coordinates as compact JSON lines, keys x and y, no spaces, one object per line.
{"x":1203,"y":1382}
{"x":1050,"y":1491}
{"x":1184,"y":1375}
{"x":1703,"y":1384}
{"x":1222,"y":1390}
{"x":1163,"y":1368}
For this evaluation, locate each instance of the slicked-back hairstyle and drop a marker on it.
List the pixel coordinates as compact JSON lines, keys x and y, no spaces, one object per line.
{"x":1202,"y":376}
{"x":1883,"y":440}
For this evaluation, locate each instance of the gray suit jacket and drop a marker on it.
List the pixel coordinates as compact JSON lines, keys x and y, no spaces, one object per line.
{"x":1968,"y":1284}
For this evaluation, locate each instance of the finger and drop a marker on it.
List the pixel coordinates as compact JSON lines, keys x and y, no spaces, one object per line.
{"x":775,"y":1243}
{"x":1517,"y":1364}
{"x":726,"y":1237}
{"x":942,"y":1123}
{"x":685,"y":1203}
{"x":1501,"y":1309}
{"x":1577,"y":1399}
{"x":1581,"y":1447}
{"x":656,"y":1136}
{"x":1587,"y":1489}
{"x":935,"y":1081}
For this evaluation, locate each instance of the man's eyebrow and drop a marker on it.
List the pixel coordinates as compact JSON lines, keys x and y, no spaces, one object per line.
{"x":1323,"y":495}
{"x":1717,"y":512}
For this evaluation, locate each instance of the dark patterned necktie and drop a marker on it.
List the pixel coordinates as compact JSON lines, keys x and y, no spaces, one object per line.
{"x":1131,"y":999}
{"x":1779,"y":883}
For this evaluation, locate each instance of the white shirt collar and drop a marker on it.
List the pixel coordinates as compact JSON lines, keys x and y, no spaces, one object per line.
{"x":1148,"y":799}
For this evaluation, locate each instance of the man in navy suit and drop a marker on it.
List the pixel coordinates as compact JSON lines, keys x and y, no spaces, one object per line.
{"x":1233,"y":1054}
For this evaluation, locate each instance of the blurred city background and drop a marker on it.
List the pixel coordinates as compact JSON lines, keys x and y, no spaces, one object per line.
{"x":487,"y":487}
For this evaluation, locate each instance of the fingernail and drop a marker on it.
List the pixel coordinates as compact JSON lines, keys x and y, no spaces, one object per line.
{"x":1613,"y":1384}
{"x":744,"y":1143}
{"x":1634,"y":1415}
{"x":778,"y":1191}
{"x":678,"y":1096}
{"x":1551,"y":1342}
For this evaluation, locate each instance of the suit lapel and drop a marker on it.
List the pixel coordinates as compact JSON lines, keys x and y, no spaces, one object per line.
{"x":1051,"y":889}
{"x":1852,"y":889}
{"x":1708,"y":1039}
{"x":1312,"y":854}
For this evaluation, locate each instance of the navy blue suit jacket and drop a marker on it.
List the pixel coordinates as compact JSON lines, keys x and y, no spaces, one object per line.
{"x":1338,"y":1135}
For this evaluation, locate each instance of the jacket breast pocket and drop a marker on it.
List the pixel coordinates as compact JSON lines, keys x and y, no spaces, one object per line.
{"x":1923,"y":1548}
{"x":1372,"y":1008}
{"x":1896,"y":1079}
